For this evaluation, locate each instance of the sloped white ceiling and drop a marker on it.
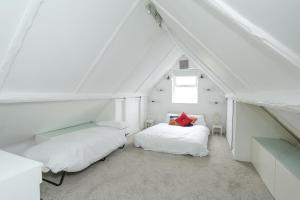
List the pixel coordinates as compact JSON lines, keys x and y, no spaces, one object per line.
{"x":11,"y":13}
{"x":139,"y":38}
{"x":79,"y":47}
{"x":234,"y":50}
{"x":250,"y":49}
{"x":280,"y":18}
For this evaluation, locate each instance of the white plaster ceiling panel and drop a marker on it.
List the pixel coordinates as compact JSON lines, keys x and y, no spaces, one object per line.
{"x":65,"y":38}
{"x":249,"y":63}
{"x":160,"y":49}
{"x":279,"y":18}
{"x":127,"y":51}
{"x":11,"y":13}
{"x":167,"y":63}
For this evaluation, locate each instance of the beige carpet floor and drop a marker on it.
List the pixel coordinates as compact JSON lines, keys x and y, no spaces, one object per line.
{"x":135,"y":174}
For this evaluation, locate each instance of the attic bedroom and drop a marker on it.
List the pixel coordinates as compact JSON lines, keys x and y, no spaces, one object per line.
{"x":149,"y":99}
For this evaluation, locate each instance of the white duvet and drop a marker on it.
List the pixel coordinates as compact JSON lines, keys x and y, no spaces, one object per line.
{"x":174,"y":139}
{"x":75,"y":151}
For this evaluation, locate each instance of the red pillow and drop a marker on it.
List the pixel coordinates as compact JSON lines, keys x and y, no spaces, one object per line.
{"x":183,"y":120}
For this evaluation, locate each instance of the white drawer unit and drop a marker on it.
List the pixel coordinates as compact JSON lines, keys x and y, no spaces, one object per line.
{"x":278,"y":164}
{"x":264,"y":164}
{"x":287,"y":185}
{"x":20,"y":178}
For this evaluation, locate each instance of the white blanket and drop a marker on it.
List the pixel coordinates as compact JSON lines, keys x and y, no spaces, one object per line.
{"x":174,"y":139}
{"x":75,"y":151}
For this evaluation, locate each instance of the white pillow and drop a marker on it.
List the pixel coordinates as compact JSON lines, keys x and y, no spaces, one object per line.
{"x":200,"y":118}
{"x":114,"y":124}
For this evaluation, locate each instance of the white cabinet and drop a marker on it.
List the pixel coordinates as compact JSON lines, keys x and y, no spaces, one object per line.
{"x":278,"y":164}
{"x":20,"y":178}
{"x":264,"y":164}
{"x":287,"y":185}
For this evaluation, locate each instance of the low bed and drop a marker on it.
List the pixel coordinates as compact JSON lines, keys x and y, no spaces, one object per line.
{"x":74,"y":149}
{"x":174,"y":139}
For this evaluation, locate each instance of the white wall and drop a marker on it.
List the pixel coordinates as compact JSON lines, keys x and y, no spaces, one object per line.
{"x":289,"y":119}
{"x":163,"y":102}
{"x":21,"y":121}
{"x":253,"y":121}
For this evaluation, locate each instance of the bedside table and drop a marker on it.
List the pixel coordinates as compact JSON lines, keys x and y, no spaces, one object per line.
{"x":217,"y":128}
{"x":149,"y":123}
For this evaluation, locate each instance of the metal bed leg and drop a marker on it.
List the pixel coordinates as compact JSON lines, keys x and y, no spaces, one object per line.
{"x":56,"y":184}
{"x":103,"y":159}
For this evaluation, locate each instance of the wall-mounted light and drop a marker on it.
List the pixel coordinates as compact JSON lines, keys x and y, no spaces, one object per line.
{"x":207,"y":89}
{"x":201,"y":76}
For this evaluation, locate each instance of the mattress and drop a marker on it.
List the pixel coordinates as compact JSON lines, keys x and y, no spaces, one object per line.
{"x":174,"y":139}
{"x":77,"y":149}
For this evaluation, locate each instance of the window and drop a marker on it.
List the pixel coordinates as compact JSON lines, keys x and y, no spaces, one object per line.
{"x":185,"y":89}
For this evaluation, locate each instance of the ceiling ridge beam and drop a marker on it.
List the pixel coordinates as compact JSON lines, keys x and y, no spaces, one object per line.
{"x":255,"y":32}
{"x":212,"y":54}
{"x":18,"y":39}
{"x":106,"y":46}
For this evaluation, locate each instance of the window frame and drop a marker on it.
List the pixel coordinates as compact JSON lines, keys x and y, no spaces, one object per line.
{"x":175,"y":85}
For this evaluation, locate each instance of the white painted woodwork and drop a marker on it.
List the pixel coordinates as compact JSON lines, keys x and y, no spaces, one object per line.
{"x":287,"y":186}
{"x":20,"y":178}
{"x":252,"y":121}
{"x":230,"y":122}
{"x":277,"y":162}
{"x":132,"y":114}
{"x":284,"y":13}
{"x":264,"y":164}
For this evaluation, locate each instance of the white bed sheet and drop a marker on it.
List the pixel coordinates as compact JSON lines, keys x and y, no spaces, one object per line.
{"x":77,"y":150}
{"x":174,"y":139}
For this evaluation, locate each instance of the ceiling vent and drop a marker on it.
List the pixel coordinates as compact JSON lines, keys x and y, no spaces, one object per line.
{"x":184,"y":64}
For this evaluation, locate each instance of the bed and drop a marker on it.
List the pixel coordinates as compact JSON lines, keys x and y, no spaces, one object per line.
{"x":73,"y":149}
{"x":174,"y":139}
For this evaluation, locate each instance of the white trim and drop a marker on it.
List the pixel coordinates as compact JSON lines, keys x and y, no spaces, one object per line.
{"x":254,"y":31}
{"x":286,"y":100}
{"x":18,"y":39}
{"x":38,"y":97}
{"x":205,"y":48}
{"x":106,"y":46}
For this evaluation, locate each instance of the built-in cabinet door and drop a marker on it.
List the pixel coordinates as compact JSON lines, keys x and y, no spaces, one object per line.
{"x":287,"y":186}
{"x":230,"y":122}
{"x":264,"y":163}
{"x":132,"y":114}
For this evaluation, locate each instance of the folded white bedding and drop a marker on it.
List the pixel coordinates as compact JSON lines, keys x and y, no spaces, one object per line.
{"x":174,"y":139}
{"x":75,"y":151}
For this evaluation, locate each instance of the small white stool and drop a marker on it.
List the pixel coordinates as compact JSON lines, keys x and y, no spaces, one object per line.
{"x":217,"y":127}
{"x":149,"y":123}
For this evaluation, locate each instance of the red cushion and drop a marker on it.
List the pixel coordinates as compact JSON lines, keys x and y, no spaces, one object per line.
{"x":183,"y":120}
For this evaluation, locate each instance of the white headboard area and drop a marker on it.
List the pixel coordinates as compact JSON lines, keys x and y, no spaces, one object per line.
{"x":21,"y":121}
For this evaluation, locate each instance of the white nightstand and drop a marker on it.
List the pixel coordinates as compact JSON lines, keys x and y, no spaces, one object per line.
{"x":217,"y":128}
{"x":149,"y":123}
